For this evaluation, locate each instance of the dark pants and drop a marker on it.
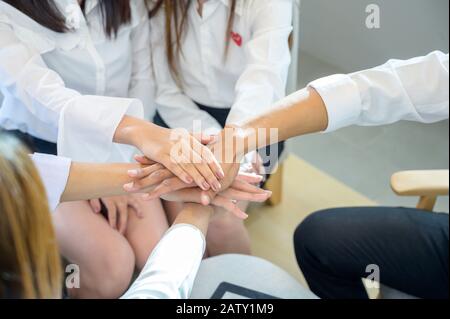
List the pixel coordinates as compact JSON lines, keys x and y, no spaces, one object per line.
{"x":35,"y":145}
{"x":409,"y":246}
{"x":270,"y":158}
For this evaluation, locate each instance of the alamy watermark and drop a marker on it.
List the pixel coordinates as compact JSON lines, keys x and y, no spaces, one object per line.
{"x":73,"y":276}
{"x":373,"y":20}
{"x":373,"y":279}
{"x":233,"y":141}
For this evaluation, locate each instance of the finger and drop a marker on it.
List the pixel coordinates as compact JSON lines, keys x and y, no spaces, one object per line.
{"x":137,"y":207}
{"x":176,"y":169}
{"x":206,"y":172}
{"x":144,"y":171}
{"x":191,"y":169}
{"x":246,"y":187}
{"x":123,"y":218}
{"x":229,"y":206}
{"x":237,"y":195}
{"x":143,"y":160}
{"x":166,"y":187}
{"x":250,"y":178}
{"x":153,"y":180}
{"x":112,"y":215}
{"x":205,"y":139}
{"x":208,"y":197}
{"x":95,"y":205}
{"x":208,"y":157}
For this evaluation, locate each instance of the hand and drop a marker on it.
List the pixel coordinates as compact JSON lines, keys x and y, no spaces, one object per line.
{"x":185,"y":156}
{"x":148,"y":177}
{"x":117,"y":210}
{"x":242,"y":189}
{"x":177,"y":150}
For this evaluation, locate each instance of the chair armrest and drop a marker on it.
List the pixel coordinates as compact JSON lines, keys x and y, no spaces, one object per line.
{"x":421,"y":183}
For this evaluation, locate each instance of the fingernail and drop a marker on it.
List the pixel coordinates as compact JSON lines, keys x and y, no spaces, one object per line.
{"x":205,"y":200}
{"x":205,"y":186}
{"x":221,"y":174}
{"x":269,"y":193}
{"x":129,"y":186}
{"x":217,"y":186}
{"x":133,"y":172}
{"x":243,"y":215}
{"x":188,"y":180}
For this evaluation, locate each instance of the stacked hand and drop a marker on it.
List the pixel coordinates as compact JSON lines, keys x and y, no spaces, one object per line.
{"x":159,"y":182}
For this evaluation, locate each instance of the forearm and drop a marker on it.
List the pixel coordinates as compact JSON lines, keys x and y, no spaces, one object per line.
{"x":301,"y":113}
{"x":133,"y":131}
{"x":87,"y":181}
{"x":196,"y":215}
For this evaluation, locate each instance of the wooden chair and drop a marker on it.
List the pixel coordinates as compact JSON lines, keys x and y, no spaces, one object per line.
{"x":427,"y":185}
{"x":275,"y":183}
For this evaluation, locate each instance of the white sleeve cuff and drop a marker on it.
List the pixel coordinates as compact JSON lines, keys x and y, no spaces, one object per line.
{"x":342,"y":100}
{"x":54,"y":172}
{"x":172,"y":267}
{"x":87,"y":127}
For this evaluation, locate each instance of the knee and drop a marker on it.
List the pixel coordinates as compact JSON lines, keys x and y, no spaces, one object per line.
{"x":225,"y":226}
{"x":114,"y":272}
{"x":313,"y":235}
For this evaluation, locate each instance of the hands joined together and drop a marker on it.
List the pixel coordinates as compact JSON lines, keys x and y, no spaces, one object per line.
{"x":221,"y":187}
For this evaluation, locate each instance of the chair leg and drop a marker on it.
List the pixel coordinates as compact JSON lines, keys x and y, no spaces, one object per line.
{"x":275,"y":185}
{"x":427,"y":203}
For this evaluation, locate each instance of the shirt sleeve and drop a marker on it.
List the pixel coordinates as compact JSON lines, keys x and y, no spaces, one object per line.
{"x":54,"y":172}
{"x":142,"y":85}
{"x":171,"y":101}
{"x":413,"y":90}
{"x":171,"y":269}
{"x":86,"y":124}
{"x":268,"y":58}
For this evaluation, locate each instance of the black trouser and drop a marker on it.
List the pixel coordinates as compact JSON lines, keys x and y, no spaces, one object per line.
{"x":409,"y":246}
{"x":35,"y":144}
{"x":221,"y":115}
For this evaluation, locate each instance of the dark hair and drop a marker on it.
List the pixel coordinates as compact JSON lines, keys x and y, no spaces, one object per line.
{"x":115,"y":13}
{"x":176,"y":12}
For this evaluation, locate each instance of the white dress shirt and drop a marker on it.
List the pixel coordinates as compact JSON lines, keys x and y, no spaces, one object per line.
{"x":249,"y":79}
{"x":54,"y":172}
{"x":173,"y":265}
{"x":412,"y":90}
{"x":74,"y":88}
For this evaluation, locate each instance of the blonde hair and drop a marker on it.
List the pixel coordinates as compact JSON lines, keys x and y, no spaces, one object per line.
{"x":30,"y":265}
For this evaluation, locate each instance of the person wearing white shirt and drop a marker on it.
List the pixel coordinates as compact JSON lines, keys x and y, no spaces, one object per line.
{"x":227,"y":62}
{"x":75,"y":81}
{"x":334,"y":247}
{"x":32,"y":269}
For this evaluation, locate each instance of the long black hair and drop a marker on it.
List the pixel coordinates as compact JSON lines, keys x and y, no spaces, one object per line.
{"x":115,"y":13}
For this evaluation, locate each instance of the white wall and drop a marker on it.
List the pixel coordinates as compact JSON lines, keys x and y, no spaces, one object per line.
{"x":335,"y":32}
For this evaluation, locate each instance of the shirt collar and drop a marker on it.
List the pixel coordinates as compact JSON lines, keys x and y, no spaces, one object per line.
{"x":239,"y":6}
{"x":90,"y":5}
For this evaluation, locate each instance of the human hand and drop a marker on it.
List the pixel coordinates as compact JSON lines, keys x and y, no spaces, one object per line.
{"x":185,"y":156}
{"x":180,"y":152}
{"x":117,"y":210}
{"x":242,"y":189}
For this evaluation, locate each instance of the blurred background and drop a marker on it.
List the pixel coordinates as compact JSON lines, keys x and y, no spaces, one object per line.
{"x":333,"y":38}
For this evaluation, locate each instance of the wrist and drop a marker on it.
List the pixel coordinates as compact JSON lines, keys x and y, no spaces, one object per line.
{"x":129,"y":131}
{"x":242,"y":141}
{"x":192,"y":208}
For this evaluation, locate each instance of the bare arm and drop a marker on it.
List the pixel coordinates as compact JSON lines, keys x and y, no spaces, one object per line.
{"x":87,"y":181}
